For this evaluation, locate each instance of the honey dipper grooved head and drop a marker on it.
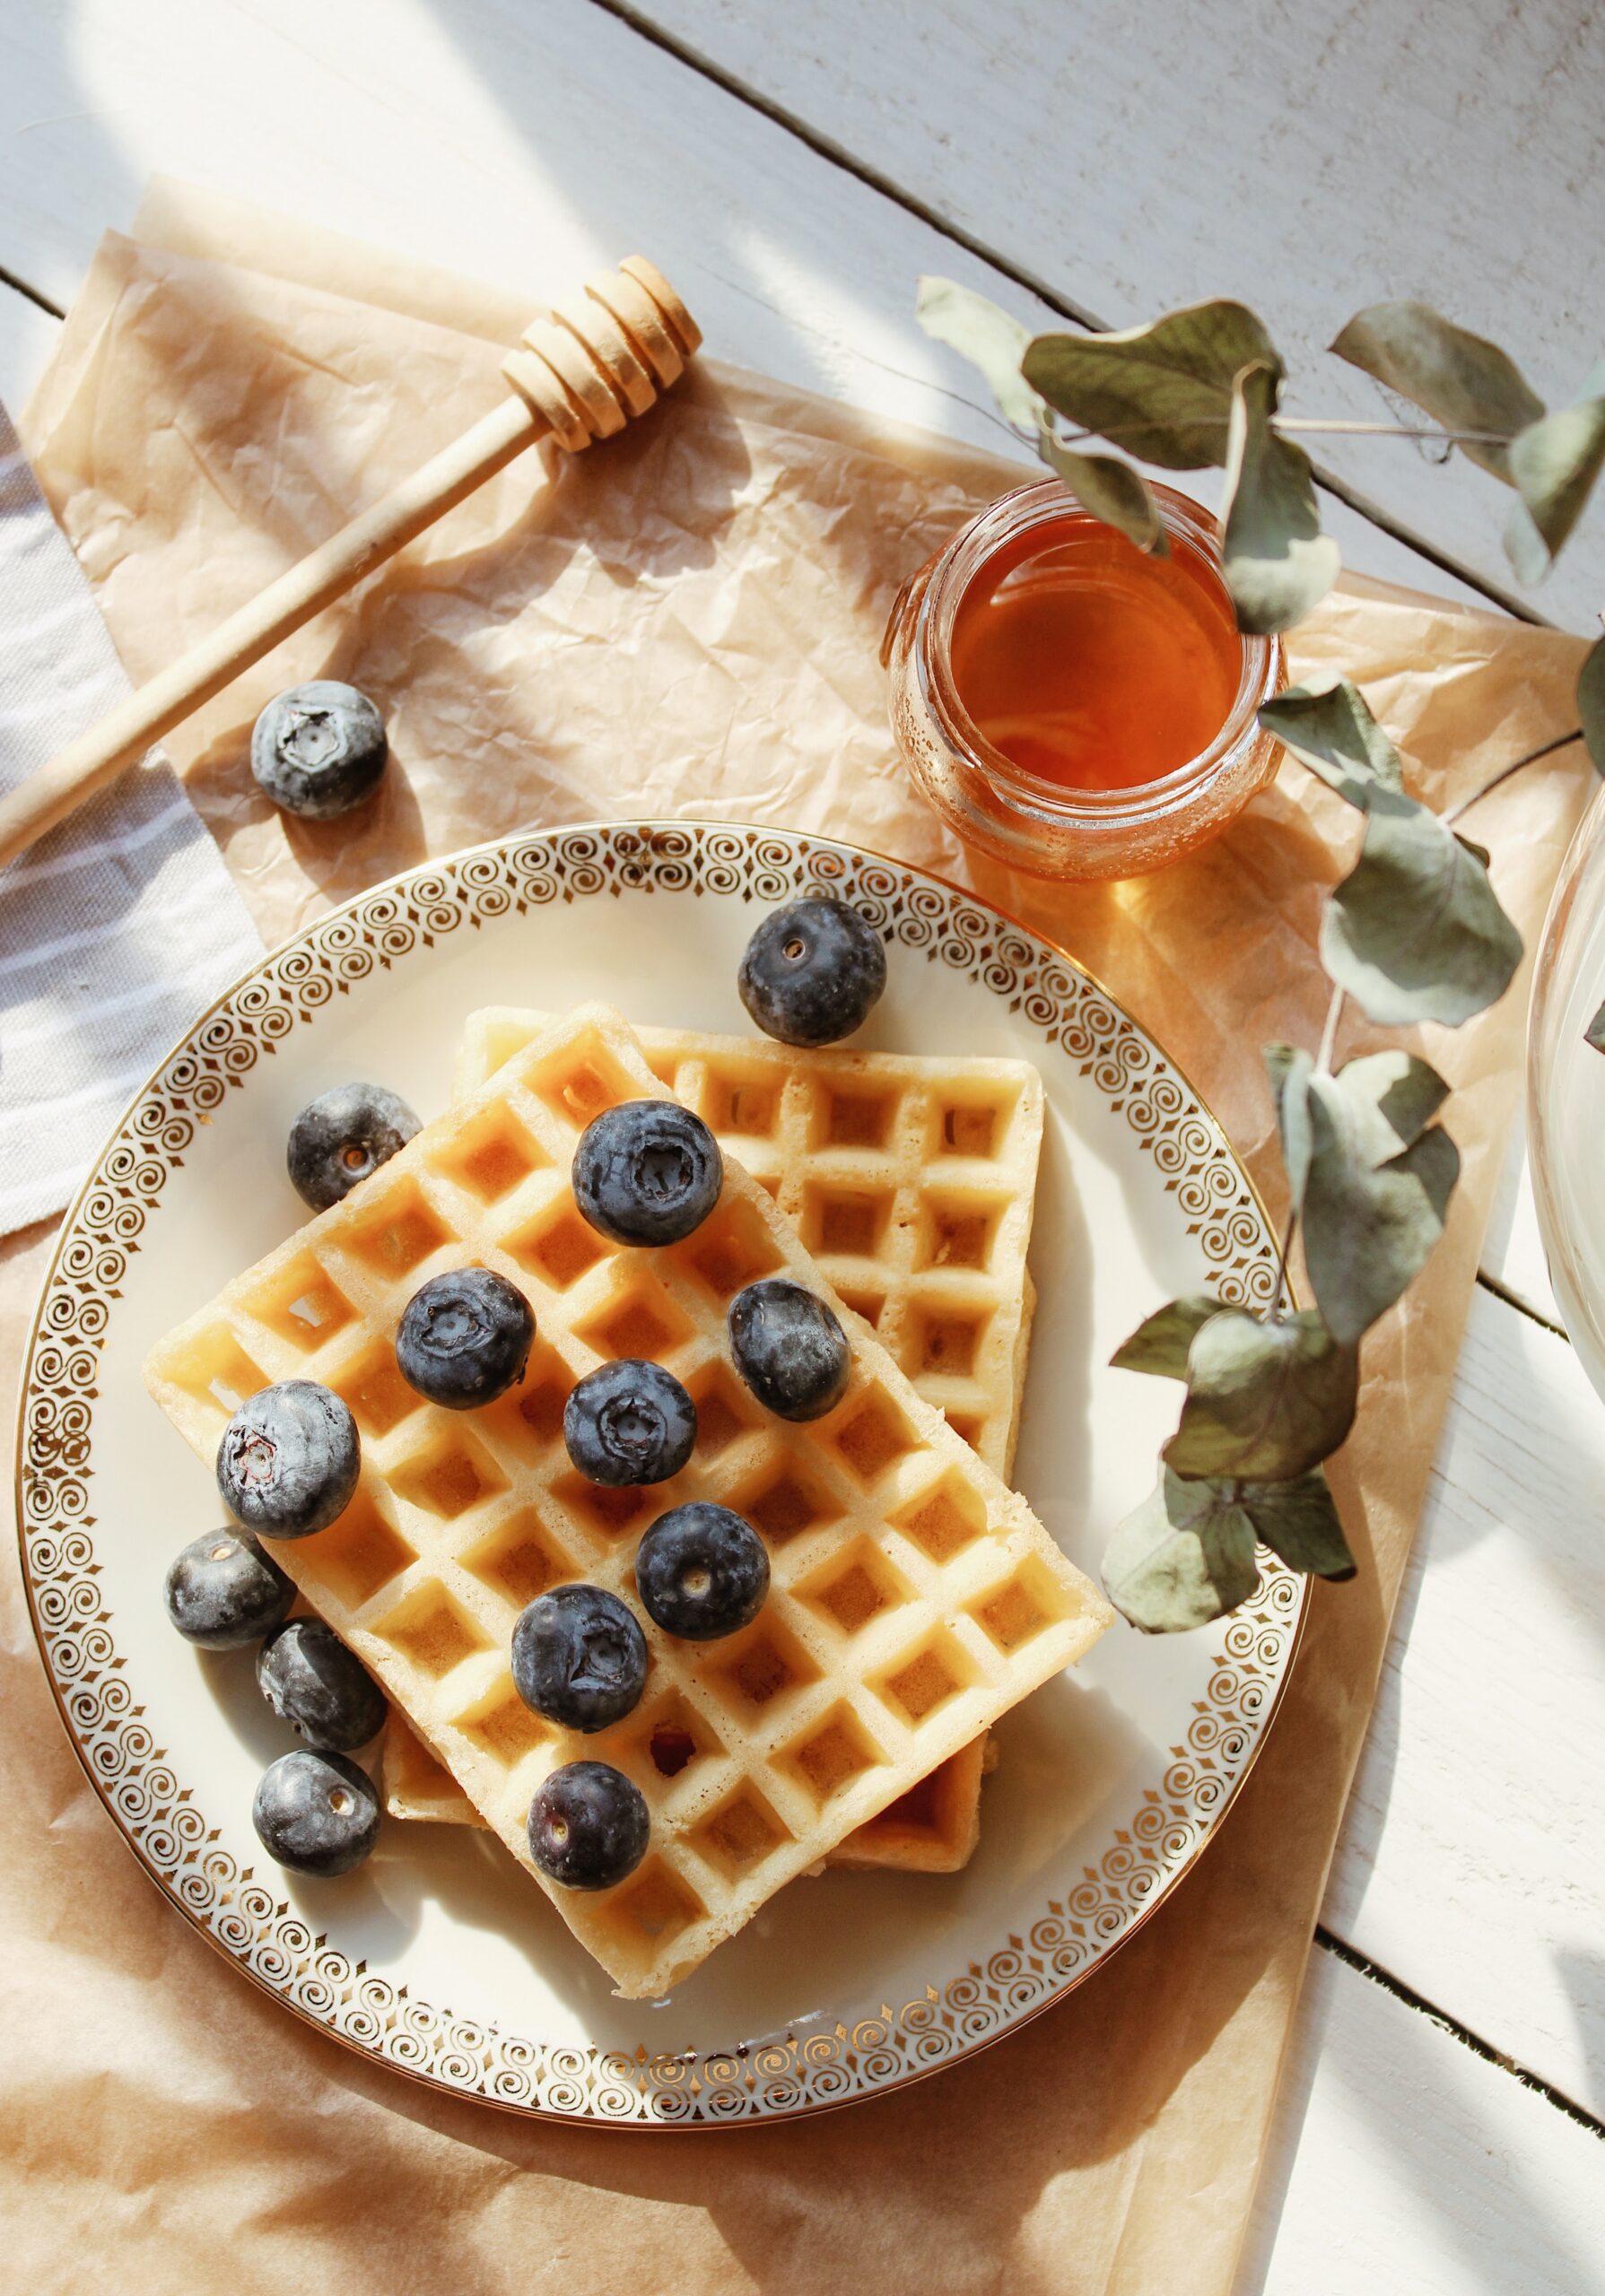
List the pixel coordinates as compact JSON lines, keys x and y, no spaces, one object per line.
{"x":603,"y":356}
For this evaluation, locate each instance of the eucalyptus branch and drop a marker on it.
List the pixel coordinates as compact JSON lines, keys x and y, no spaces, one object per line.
{"x":1414,"y":934}
{"x":1200,"y":387}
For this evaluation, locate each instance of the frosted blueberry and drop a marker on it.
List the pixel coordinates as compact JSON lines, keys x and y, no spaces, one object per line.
{"x":319,"y":750}
{"x":811,"y":972}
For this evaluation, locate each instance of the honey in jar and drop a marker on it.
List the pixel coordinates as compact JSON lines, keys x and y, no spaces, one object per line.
{"x":1087,"y":663}
{"x":1070,"y":705}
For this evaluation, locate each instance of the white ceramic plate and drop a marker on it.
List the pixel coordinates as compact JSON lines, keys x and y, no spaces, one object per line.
{"x":438,"y":1956}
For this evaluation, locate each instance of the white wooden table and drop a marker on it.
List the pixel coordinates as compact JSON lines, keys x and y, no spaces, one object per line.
{"x":1442,"y":2127}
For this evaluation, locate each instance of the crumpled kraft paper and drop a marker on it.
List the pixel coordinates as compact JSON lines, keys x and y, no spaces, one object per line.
{"x":686,"y":622}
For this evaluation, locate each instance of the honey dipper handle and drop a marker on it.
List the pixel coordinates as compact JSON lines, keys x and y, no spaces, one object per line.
{"x":601,"y":358}
{"x":98,"y":755}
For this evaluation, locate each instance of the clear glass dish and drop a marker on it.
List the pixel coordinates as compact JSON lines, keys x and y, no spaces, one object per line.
{"x":1565,"y":1091}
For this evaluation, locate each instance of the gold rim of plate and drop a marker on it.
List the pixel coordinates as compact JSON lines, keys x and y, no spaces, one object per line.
{"x":241,"y":1916}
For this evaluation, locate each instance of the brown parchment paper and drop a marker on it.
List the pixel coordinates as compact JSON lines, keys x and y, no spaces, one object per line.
{"x":686,"y":622}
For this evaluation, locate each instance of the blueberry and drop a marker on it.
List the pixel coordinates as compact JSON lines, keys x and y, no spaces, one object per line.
{"x":589,"y":1826}
{"x":702,"y":1571}
{"x":317,"y":1814}
{"x":288,"y":1461}
{"x":223,"y":1590}
{"x":312,"y":1682}
{"x":811,"y":973}
{"x":465,"y":1338}
{"x":788,"y":1348}
{"x":647,"y":1172}
{"x":342,"y":1136}
{"x":579,"y":1657}
{"x":319,"y":750}
{"x":630,"y":1422}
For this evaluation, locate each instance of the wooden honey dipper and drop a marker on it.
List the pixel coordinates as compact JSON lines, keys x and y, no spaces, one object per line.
{"x":599,"y":359}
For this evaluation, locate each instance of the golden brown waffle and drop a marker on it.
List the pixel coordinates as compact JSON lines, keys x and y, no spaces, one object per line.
{"x":896,"y":1173}
{"x":914,"y":1598}
{"x":784,"y":1113}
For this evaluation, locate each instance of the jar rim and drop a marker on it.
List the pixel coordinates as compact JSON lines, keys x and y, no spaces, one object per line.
{"x":1039,"y":502}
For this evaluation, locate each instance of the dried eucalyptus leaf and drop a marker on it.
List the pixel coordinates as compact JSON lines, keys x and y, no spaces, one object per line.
{"x":989,"y":338}
{"x":1277,"y":562}
{"x":1264,"y":1400}
{"x":1591,"y":702}
{"x":1298,"y":1521}
{"x":1554,"y":463}
{"x":1462,"y":380}
{"x":1164,"y":390}
{"x":1368,"y":1227}
{"x":1112,"y":492}
{"x":1160,"y":1345}
{"x":1594,"y":1033}
{"x":1289,"y":1066}
{"x":1386,"y":1101}
{"x":1415,"y":931}
{"x":1393,"y":1097}
{"x":1184,"y":1558}
{"x":1330,"y":729}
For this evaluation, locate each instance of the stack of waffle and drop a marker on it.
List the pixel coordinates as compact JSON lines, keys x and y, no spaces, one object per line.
{"x":914,"y":1598}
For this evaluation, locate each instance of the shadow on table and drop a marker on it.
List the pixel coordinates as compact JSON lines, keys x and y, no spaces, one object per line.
{"x":1583,"y":1974}
{"x":1422,"y":2095}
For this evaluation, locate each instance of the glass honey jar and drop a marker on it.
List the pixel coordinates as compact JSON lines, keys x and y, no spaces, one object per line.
{"x":1072,"y":707}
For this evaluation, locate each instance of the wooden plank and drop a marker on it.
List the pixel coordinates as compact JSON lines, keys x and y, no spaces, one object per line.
{"x":555,"y":138}
{"x":1472,"y":1859}
{"x":1402,"y":2162}
{"x":1306,"y":157}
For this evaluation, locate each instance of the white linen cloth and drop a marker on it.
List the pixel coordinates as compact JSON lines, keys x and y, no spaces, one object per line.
{"x":119,"y":926}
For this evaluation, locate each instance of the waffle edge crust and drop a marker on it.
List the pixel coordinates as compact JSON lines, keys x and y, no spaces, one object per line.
{"x":913,"y":1599}
{"x":932,"y":1828}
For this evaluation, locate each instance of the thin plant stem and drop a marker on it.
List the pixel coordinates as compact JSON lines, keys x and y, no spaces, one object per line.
{"x":1544,"y":749}
{"x":1338,"y":425}
{"x":1278,"y":1298}
{"x":1304,"y":424}
{"x":1329,"y":1034}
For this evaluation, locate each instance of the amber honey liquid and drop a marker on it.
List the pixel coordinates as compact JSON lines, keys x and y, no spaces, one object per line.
{"x":1090,"y":665}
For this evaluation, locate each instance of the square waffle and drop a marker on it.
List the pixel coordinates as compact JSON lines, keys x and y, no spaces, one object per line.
{"x":912,"y":1182}
{"x":913,"y":1598}
{"x":828,"y":1132}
